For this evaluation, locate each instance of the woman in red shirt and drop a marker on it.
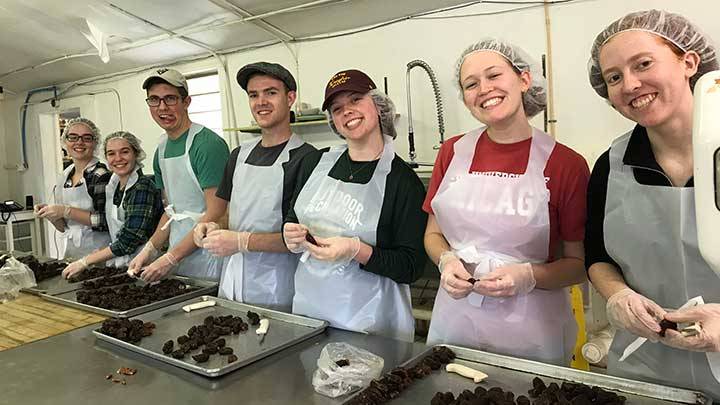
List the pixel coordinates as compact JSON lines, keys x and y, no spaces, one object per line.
{"x":503,"y":200}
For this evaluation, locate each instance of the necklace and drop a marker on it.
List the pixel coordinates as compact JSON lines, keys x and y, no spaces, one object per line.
{"x":364,"y":165}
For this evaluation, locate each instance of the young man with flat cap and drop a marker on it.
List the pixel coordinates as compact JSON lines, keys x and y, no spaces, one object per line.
{"x":258,"y":184}
{"x":188,"y":167}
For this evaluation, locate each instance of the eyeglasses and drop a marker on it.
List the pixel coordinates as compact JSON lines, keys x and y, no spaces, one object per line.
{"x":75,"y":137}
{"x":154,"y":101}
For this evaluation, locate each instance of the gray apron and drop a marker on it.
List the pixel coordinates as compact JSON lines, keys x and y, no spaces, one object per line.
{"x":116,"y":215}
{"x":344,"y":294}
{"x":186,"y":205}
{"x":650,"y":231}
{"x":259,"y":278}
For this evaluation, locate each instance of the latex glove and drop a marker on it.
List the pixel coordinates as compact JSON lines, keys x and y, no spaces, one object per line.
{"x":454,"y":276}
{"x":635,"y":313}
{"x":335,"y":249}
{"x":159,"y":268}
{"x":222,"y":242}
{"x":201,"y":230}
{"x":507,"y":281}
{"x":75,"y":268}
{"x":54,"y":212}
{"x":144,"y":256}
{"x":708,"y":317}
{"x":294,"y":236}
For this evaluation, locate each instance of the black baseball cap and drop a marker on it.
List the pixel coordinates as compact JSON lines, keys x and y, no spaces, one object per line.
{"x":266,"y":68}
{"x":347,"y":80}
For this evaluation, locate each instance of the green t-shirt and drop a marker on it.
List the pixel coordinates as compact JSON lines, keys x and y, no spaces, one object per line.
{"x":208,"y":156}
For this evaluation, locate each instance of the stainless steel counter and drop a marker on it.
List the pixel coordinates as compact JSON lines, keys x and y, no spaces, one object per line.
{"x":71,"y":368}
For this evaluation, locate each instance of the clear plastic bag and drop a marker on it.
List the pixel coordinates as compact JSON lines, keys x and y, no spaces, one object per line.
{"x":333,"y":380}
{"x":14,"y":276}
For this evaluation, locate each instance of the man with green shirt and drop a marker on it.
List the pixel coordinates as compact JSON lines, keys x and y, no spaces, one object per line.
{"x":188,"y":165}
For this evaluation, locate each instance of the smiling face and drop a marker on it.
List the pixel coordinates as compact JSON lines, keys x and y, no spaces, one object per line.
{"x":80,"y":149}
{"x":173,"y":119}
{"x":270,"y":102}
{"x":121,"y":157}
{"x":647,"y":82}
{"x":354,"y":115}
{"x":492,"y":89}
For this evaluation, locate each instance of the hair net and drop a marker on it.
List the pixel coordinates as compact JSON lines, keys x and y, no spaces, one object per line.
{"x":673,"y":27}
{"x":386,"y":112}
{"x":132,"y":140}
{"x":84,"y":121}
{"x":535,"y":98}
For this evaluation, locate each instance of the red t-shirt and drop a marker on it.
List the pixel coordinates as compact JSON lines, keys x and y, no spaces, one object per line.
{"x":566,"y":176}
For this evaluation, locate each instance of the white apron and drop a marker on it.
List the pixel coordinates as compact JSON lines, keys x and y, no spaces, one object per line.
{"x":650,"y":231}
{"x":186,"y":205}
{"x":345,"y":295}
{"x":81,"y":240}
{"x":490,"y":221}
{"x":259,"y":278}
{"x":116,"y":215}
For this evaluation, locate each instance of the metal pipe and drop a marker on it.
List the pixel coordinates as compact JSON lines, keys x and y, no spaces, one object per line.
{"x":438,"y":106}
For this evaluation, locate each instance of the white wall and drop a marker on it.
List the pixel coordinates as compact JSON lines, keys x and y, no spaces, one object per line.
{"x":585,"y":122}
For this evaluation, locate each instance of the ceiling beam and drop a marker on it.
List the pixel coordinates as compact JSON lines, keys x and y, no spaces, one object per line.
{"x":244,"y":14}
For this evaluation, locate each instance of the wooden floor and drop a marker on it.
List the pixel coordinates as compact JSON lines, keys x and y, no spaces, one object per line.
{"x":30,"y":318}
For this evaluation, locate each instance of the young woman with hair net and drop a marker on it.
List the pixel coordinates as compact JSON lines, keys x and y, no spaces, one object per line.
{"x":357,"y":215}
{"x":79,"y":208}
{"x":507,"y":214}
{"x":133,"y":205}
{"x":641,"y":236}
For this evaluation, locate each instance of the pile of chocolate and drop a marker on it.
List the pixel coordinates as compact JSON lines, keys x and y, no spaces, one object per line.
{"x":208,"y":337}
{"x":107,"y":281}
{"x":128,"y":296}
{"x":572,"y":393}
{"x":127,"y":330}
{"x":95,"y":272}
{"x":45,"y":270}
{"x":400,"y":378}
{"x":493,"y":396}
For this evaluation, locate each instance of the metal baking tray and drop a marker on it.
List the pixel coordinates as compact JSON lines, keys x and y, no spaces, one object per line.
{"x":285,"y":330}
{"x":203,"y":287}
{"x":516,"y":375}
{"x":58,"y":285}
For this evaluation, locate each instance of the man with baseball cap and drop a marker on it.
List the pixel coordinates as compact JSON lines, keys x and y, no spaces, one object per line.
{"x":260,"y":269}
{"x":188,"y":167}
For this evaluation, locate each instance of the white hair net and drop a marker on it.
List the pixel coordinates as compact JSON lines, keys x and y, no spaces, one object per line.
{"x":386,"y":112}
{"x":535,"y":98}
{"x":673,"y":27}
{"x":132,"y":140}
{"x":89,"y":124}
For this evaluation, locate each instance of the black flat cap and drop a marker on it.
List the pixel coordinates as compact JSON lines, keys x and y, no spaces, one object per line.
{"x":266,"y":68}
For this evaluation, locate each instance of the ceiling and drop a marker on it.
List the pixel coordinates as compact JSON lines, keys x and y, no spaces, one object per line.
{"x":42,"y":42}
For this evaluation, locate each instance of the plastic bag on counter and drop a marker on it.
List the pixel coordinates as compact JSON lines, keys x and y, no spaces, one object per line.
{"x":14,"y":276}
{"x":343,"y":368}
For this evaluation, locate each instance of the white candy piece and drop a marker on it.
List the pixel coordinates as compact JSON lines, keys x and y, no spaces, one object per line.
{"x":198,"y":305}
{"x":264,"y":325}
{"x":465,"y":371}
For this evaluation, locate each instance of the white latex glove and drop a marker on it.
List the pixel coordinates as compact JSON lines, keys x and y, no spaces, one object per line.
{"x":453,"y":276}
{"x":201,"y":230}
{"x":708,"y":317}
{"x":635,"y":313}
{"x":54,"y":212}
{"x":222,"y":242}
{"x":146,"y":253}
{"x":159,"y":268}
{"x":507,"y":281}
{"x":294,"y":236}
{"x":75,"y":268}
{"x":335,"y":249}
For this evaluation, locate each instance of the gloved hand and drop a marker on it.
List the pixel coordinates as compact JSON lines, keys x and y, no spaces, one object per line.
{"x":222,"y":242}
{"x":335,"y":249}
{"x":201,"y":230}
{"x":54,"y":212}
{"x":454,"y":276}
{"x":708,"y":317}
{"x":75,"y":268}
{"x":159,"y":268}
{"x":294,"y":236}
{"x":507,"y":281}
{"x":146,"y":253}
{"x":635,"y":313}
